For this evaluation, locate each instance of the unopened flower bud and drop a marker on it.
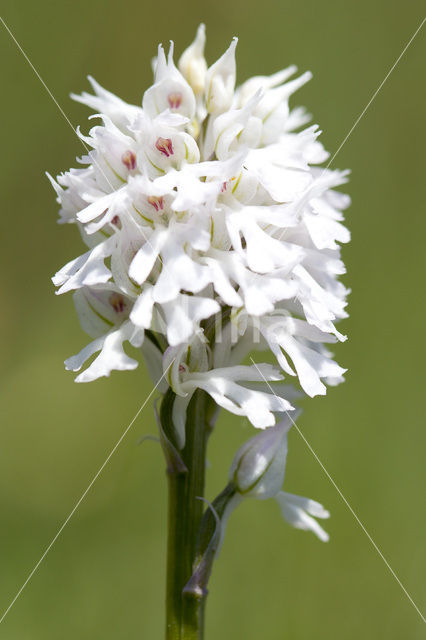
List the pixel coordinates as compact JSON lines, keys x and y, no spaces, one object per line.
{"x":192,"y":64}
{"x":220,"y":81}
{"x":258,"y":468}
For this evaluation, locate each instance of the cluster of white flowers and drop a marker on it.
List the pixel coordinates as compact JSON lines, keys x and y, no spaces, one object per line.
{"x":211,"y":231}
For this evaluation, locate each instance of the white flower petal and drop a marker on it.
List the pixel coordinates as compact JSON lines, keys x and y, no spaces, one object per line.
{"x":184,"y":315}
{"x":111,"y":355}
{"x":88,"y":269}
{"x":296,"y":509}
{"x":145,"y":258}
{"x":223,"y":386}
{"x":120,"y":112}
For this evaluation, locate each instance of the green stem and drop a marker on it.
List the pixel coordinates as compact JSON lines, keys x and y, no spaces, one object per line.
{"x":185,"y":612}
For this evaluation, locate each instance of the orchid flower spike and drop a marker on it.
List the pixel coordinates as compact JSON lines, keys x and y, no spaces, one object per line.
{"x":210,"y":232}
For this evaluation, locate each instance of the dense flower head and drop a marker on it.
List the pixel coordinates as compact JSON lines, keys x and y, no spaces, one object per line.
{"x":211,"y":230}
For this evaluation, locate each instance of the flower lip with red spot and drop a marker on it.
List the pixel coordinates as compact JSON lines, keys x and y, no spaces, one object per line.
{"x":129,"y":160}
{"x":165,"y":146}
{"x":157,"y":203}
{"x":117,"y":302}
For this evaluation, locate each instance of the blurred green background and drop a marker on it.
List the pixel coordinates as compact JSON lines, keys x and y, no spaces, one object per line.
{"x":104,"y":577}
